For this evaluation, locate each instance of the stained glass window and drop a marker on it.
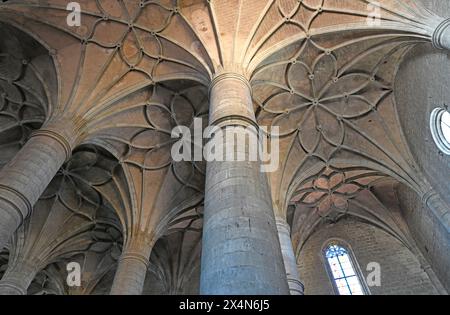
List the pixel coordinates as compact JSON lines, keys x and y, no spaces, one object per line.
{"x":343,"y":271}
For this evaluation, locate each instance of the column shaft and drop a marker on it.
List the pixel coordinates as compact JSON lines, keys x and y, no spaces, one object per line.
{"x":290,"y":262}
{"x":24,"y":179}
{"x":17,"y":279}
{"x":130,"y":274}
{"x":241,"y":252}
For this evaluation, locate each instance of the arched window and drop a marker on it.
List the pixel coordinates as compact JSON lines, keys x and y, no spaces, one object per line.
{"x":341,"y":267}
{"x":440,"y":129}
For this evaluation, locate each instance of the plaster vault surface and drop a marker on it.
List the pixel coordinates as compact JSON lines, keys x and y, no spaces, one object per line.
{"x":86,"y":115}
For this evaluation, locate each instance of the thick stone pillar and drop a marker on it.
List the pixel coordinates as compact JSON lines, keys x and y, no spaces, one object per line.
{"x":441,"y":36}
{"x":290,"y":262}
{"x":131,"y":271}
{"x":241,"y":252}
{"x":24,"y":179}
{"x":17,"y":279}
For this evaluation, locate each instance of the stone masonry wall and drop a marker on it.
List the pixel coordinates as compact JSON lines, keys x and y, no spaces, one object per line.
{"x":400,"y":269}
{"x":431,"y":237}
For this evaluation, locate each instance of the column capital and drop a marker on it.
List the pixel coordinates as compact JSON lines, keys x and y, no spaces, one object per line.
{"x":55,"y":136}
{"x":441,"y":35}
{"x":62,"y":131}
{"x":282,"y":225}
{"x":231,"y":101}
{"x":230,"y":76}
{"x":138,"y":249}
{"x":128,"y":255}
{"x":428,"y":195}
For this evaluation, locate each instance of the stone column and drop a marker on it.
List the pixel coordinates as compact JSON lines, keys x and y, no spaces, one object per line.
{"x":131,"y":271}
{"x":441,"y":36}
{"x":434,"y":202}
{"x":241,"y":252}
{"x":290,"y":262}
{"x":24,"y":178}
{"x":17,"y":279}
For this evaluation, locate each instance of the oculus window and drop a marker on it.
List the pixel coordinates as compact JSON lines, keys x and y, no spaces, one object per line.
{"x":440,"y":129}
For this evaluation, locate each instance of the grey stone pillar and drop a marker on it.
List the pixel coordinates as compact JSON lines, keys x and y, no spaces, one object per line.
{"x":434,"y":202}
{"x":24,"y":179}
{"x":441,"y":36}
{"x":131,"y":272}
{"x":241,"y":252}
{"x":290,"y":262}
{"x":17,"y":279}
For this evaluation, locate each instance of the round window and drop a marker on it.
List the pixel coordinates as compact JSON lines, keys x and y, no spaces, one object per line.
{"x":440,"y":128}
